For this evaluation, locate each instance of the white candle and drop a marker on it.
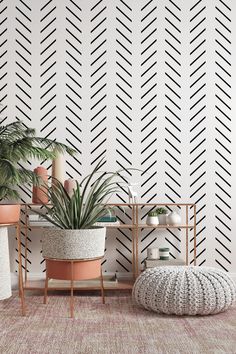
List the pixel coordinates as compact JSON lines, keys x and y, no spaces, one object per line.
{"x":152,"y":253}
{"x":58,"y":168}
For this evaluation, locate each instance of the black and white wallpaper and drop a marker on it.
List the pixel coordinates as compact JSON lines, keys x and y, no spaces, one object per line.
{"x":146,"y":84}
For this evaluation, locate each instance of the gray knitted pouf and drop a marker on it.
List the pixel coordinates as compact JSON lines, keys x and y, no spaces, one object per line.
{"x":184,"y":290}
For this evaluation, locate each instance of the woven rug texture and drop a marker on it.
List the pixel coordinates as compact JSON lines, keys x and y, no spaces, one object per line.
{"x":118,"y":327}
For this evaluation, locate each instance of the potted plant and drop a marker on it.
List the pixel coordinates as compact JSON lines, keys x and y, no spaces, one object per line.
{"x":161,"y":213}
{"x":152,"y":218}
{"x":75,"y":235}
{"x":19,"y":143}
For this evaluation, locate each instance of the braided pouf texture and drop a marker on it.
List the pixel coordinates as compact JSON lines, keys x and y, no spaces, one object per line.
{"x":184,"y":290}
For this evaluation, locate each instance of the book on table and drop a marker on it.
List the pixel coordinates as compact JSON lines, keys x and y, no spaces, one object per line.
{"x":107,"y":220}
{"x":104,"y":224}
{"x":39,"y":220}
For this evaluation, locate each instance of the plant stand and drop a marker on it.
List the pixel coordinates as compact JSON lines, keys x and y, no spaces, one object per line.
{"x":74,"y":269}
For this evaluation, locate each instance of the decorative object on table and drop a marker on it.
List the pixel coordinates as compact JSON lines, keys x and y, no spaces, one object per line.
{"x":106,"y":223}
{"x":173,"y":218}
{"x":5,"y":274}
{"x":151,"y":263}
{"x":38,"y":221}
{"x":108,"y":218}
{"x":75,"y":236}
{"x":70,"y":186}
{"x":164,"y":253}
{"x":184,"y":290}
{"x":152,"y":253}
{"x":162,"y":213}
{"x":19,"y":143}
{"x":152,"y":219}
{"x":133,"y":195}
{"x":58,"y":168}
{"x":39,"y":192}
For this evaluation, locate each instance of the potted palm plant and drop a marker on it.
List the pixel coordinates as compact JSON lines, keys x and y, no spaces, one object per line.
{"x":75,"y":235}
{"x":19,"y":144}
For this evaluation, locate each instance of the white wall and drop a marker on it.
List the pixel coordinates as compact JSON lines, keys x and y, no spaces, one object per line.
{"x":148,"y":84}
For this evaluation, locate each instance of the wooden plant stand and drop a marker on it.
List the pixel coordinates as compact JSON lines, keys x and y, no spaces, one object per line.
{"x":74,"y":269}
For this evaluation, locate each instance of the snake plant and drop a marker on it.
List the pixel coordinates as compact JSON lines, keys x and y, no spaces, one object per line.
{"x":86,"y":205}
{"x":161,"y":211}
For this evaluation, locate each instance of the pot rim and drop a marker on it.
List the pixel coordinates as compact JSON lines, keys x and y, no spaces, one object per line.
{"x":10,"y":204}
{"x":59,"y":229}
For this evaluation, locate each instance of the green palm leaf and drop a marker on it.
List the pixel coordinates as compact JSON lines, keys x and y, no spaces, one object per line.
{"x":19,"y":143}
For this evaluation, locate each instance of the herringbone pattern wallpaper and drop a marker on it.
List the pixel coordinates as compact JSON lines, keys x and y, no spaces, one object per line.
{"x":145,"y":84}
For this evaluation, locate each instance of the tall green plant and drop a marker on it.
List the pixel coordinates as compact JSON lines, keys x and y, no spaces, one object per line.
{"x":19,"y":143}
{"x":88,"y":202}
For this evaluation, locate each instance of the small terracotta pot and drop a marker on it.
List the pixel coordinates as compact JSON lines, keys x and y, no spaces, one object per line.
{"x":9,"y":213}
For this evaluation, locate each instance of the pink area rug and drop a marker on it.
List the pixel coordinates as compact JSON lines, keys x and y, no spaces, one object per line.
{"x":116,"y":327}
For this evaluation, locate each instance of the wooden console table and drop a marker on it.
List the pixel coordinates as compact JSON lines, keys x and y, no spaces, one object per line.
{"x":135,"y":227}
{"x":185,"y":226}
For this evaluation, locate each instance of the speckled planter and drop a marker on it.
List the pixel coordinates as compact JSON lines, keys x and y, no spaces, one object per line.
{"x":74,"y":244}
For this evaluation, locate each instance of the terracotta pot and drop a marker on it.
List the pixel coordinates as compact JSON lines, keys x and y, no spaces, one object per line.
{"x":9,"y":213}
{"x":81,"y":270}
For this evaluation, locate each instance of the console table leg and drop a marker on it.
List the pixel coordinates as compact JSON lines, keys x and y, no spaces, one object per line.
{"x":136,"y":246}
{"x":72,"y":291}
{"x":46,"y":290}
{"x":186,"y":241}
{"x":21,"y":288}
{"x":133,"y":243}
{"x":102,"y":287}
{"x":195,"y":236}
